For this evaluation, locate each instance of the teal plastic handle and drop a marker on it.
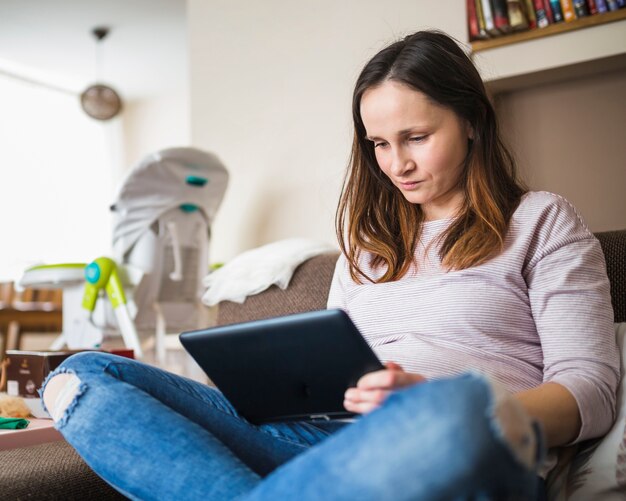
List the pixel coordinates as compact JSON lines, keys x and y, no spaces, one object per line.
{"x":188,"y":207}
{"x":196,"y":181}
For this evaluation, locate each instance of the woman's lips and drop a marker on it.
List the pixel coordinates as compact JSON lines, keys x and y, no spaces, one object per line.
{"x":410,"y":185}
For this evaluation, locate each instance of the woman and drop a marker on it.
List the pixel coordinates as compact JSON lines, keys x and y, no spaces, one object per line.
{"x":448,"y":266}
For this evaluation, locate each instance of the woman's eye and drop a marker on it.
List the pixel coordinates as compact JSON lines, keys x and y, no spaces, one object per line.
{"x":417,"y":139}
{"x":380,"y":145}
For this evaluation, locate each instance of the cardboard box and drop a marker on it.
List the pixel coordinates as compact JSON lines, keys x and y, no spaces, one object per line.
{"x":27,"y":370}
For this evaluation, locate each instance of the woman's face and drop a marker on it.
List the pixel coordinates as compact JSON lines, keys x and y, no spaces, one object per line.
{"x":419,"y":145}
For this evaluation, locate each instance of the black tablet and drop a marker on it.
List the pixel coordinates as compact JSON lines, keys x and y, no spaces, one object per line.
{"x":295,"y":367}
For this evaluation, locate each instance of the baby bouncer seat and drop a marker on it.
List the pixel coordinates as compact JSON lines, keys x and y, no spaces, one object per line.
{"x":162,"y":219}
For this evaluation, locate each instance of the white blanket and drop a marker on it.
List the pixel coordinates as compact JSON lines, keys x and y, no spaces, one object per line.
{"x":255,"y":270}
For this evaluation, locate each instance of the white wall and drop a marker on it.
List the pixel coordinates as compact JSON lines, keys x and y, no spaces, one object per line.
{"x":155,"y":123}
{"x":271,"y":86}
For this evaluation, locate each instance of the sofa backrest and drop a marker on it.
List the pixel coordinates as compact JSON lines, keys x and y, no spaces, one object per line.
{"x":308,"y":289}
{"x":614,"y":247}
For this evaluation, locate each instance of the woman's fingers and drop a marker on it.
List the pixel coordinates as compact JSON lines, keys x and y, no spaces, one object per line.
{"x":363,"y":401}
{"x":374,"y":388}
{"x":369,"y":396}
{"x":359,"y":407}
{"x":391,"y":378}
{"x":392,"y":366}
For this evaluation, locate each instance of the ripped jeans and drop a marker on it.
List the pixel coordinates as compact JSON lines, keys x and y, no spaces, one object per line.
{"x":154,"y":435}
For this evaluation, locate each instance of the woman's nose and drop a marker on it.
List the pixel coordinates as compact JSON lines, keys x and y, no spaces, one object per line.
{"x":401,"y":163}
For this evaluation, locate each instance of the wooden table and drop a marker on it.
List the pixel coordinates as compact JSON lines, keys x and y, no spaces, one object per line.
{"x":14,"y":322}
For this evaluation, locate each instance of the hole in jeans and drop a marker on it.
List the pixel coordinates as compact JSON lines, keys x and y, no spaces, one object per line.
{"x":59,"y":393}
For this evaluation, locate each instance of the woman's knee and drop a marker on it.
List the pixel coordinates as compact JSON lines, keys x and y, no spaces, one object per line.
{"x":507,"y":424}
{"x":473,"y":414}
{"x":65,"y":384}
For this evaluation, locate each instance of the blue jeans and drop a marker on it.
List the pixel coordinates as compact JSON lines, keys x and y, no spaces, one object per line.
{"x":154,"y":435}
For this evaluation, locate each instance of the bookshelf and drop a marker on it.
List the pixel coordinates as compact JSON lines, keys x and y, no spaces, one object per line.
{"x":552,"y":29}
{"x":557,"y":52}
{"x":559,"y":94}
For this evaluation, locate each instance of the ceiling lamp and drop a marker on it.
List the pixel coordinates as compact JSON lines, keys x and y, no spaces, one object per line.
{"x":100,"y":101}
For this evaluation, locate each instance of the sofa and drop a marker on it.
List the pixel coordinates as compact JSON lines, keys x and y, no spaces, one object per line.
{"x":54,"y":471}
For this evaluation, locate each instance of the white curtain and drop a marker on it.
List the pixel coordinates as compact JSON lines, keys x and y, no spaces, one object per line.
{"x":56,"y":179}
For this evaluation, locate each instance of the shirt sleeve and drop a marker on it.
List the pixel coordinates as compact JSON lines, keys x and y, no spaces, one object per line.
{"x":337,"y":294}
{"x":571,"y":304}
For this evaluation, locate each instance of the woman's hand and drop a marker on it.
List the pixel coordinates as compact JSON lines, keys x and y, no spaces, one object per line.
{"x":373,"y":388}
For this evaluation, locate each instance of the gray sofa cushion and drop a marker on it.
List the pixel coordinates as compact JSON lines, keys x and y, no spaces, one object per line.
{"x":52,"y":471}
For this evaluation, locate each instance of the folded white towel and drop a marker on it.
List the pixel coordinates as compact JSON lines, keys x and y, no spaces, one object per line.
{"x":255,"y":270}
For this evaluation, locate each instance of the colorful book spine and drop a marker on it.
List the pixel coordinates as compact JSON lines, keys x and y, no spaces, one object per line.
{"x":567,"y":7}
{"x":602,"y":6}
{"x":488,"y":15}
{"x":517,"y":18}
{"x":500,"y":15}
{"x":612,"y":5}
{"x":529,"y":11}
{"x":580,"y":8}
{"x":482,"y":27}
{"x":592,"y":7}
{"x":472,"y":20}
{"x":557,"y":13}
{"x":482,"y":30}
{"x":548,"y":8}
{"x":621,"y":3}
{"x":540,"y":12}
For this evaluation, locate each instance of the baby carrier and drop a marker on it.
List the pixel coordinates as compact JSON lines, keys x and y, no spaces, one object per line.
{"x":162,"y":220}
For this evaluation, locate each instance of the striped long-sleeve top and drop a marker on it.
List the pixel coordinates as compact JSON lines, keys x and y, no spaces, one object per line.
{"x":539,"y":311}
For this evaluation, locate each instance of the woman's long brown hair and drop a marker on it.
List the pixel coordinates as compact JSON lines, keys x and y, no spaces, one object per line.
{"x":373,"y":216}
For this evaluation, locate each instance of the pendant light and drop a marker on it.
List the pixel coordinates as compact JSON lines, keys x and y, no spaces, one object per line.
{"x":100,"y":101}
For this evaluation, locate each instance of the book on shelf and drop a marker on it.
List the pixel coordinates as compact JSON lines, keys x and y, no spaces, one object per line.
{"x":540,"y":12}
{"x":517,"y":18}
{"x":529,"y":12}
{"x":548,"y":9}
{"x":567,"y":7}
{"x":488,"y":17}
{"x":621,"y":3}
{"x":557,"y":12}
{"x":500,"y":15}
{"x":581,"y":9}
{"x":482,"y":30}
{"x":612,"y":4}
{"x":591,"y":7}
{"x":602,"y":6}
{"x":472,"y":20}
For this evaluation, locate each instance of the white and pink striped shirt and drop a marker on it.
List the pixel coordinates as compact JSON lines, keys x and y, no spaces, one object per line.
{"x":540,"y":311}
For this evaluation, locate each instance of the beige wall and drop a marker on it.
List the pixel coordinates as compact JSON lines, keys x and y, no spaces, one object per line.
{"x":570,"y":138}
{"x":155,"y":123}
{"x":271,"y":86}
{"x":270,"y":94}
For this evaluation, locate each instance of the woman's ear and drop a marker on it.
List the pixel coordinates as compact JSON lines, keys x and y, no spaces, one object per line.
{"x":469,"y":131}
